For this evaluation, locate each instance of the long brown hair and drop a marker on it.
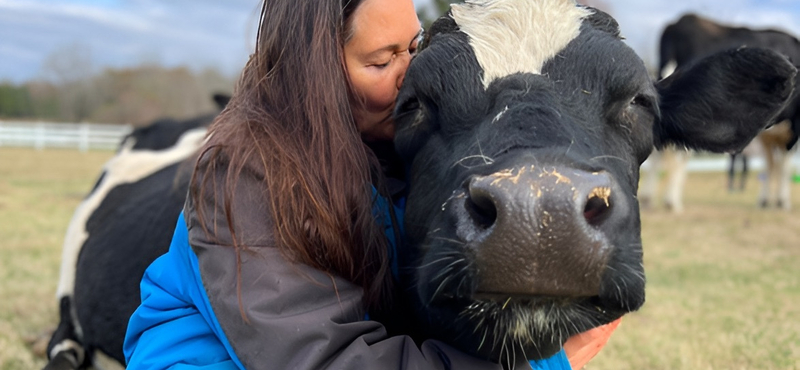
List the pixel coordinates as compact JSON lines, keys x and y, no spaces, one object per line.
{"x":290,"y":119}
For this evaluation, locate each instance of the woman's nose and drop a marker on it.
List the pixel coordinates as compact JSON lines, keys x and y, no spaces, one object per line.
{"x":400,"y":78}
{"x":405,"y":59}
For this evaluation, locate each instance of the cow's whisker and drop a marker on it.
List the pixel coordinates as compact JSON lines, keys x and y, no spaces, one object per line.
{"x":459,"y":242}
{"x":486,"y":160}
{"x":599,"y":157}
{"x":439,"y":289}
{"x":483,"y":339}
{"x":429,"y":264}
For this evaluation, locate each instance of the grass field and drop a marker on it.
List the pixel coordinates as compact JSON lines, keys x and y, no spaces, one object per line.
{"x":723,"y":286}
{"x":39,"y":190}
{"x":723,"y":278}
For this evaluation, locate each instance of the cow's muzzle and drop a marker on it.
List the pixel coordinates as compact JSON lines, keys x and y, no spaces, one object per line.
{"x":540,"y":230}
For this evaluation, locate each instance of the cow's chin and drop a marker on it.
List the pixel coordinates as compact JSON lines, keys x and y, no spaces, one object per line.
{"x":496,"y":325}
{"x":502,"y":327}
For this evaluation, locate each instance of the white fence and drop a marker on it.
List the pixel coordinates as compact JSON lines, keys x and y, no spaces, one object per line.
{"x":81,"y":136}
{"x":86,"y":136}
{"x":721,"y":162}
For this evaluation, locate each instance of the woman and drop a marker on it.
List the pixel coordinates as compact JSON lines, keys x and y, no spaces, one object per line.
{"x":277,"y":257}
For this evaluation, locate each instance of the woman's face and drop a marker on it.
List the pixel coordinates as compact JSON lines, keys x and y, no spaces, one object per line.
{"x":384,"y":37}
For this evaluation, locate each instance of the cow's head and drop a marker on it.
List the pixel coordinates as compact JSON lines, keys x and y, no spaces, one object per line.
{"x":525,"y":123}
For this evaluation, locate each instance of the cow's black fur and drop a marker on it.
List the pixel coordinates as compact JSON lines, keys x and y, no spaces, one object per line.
{"x":164,"y":133}
{"x":106,"y":290}
{"x":129,"y":229}
{"x":593,"y":113}
{"x":578,"y":117}
{"x":692,"y":38}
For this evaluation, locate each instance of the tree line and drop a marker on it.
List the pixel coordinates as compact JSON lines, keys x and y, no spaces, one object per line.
{"x":69,"y":90}
{"x":134,"y":96}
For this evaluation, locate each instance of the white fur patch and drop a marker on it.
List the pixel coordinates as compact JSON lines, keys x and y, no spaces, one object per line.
{"x":669,"y":69}
{"x":513,"y":36}
{"x":66,"y":345}
{"x":127,"y":166}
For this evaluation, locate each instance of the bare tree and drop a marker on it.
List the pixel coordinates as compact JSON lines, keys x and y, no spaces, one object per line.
{"x":142,"y":94}
{"x":70,"y":69}
{"x":436,"y":9}
{"x":135,"y":95}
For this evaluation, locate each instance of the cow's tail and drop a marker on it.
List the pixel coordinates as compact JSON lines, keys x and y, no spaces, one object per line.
{"x":65,"y":350}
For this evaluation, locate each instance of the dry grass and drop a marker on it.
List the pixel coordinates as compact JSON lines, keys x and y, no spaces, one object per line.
{"x":723,"y":280}
{"x":39,"y":190}
{"x":723,"y":286}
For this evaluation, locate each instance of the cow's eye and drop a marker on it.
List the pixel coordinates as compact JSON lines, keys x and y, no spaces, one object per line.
{"x":407,"y":105}
{"x":640,"y":109}
{"x":642,"y":101}
{"x":641,"y":106}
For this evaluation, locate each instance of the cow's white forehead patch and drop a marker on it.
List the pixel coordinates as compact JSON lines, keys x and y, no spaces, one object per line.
{"x":513,"y":36}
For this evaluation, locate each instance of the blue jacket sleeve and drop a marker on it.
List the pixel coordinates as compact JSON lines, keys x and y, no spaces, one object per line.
{"x":173,"y":327}
{"x":559,"y":361}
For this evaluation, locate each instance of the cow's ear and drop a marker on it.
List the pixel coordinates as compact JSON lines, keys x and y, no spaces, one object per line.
{"x":721,"y":102}
{"x":221,"y":100}
{"x":443,"y":24}
{"x":602,"y":21}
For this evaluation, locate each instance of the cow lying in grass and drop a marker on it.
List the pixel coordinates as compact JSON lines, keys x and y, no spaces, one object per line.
{"x":115,"y":233}
{"x":524,"y":124}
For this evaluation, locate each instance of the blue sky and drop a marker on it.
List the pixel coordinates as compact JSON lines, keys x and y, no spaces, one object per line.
{"x":220,"y":33}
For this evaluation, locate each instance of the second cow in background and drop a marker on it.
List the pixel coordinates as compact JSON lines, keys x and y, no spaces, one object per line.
{"x":692,"y":38}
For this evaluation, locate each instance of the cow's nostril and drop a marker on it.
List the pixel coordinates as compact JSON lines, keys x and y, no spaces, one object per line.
{"x":481,"y":209}
{"x":597,"y":205}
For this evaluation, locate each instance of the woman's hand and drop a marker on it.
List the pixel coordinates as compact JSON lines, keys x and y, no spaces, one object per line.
{"x":581,"y":348}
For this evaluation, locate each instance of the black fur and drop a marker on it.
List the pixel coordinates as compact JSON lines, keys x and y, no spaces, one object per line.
{"x":692,"y":38}
{"x":593,"y":110}
{"x":130,"y":228}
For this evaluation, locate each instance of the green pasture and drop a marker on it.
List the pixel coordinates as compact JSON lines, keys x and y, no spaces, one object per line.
{"x":723,"y":278}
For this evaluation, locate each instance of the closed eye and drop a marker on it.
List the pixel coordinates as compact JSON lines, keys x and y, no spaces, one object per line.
{"x":642,"y":101}
{"x":407,"y":106}
{"x":647,"y":103}
{"x":411,"y":50}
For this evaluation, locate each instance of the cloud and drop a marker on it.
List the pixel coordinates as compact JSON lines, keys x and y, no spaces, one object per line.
{"x":221,"y":34}
{"x":79,"y":12}
{"x":198,"y":34}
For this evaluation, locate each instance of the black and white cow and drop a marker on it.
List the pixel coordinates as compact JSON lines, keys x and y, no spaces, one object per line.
{"x":115,"y":233}
{"x":692,"y":38}
{"x":525,"y":123}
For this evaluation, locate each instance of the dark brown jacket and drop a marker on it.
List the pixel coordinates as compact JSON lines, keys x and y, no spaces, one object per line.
{"x":295,"y":317}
